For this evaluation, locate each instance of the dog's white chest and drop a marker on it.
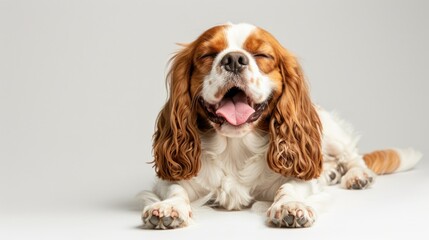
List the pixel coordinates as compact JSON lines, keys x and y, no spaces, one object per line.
{"x":231,"y":168}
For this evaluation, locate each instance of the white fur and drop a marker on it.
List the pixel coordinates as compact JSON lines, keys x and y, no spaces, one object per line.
{"x":236,"y":36}
{"x":409,"y":158}
{"x":297,"y":204}
{"x":256,"y":84}
{"x":234,"y":172}
{"x":339,"y":147}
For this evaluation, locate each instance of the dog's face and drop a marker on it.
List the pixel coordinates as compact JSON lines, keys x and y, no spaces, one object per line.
{"x":236,"y":76}
{"x":237,"y":79}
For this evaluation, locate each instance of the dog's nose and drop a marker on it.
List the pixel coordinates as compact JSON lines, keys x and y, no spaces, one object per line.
{"x":234,"y":62}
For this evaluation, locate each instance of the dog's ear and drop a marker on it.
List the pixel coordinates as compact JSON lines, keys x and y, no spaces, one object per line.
{"x":176,"y":145}
{"x":294,"y":125}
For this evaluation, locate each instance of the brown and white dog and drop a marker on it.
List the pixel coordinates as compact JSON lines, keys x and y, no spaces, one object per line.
{"x":239,"y":127}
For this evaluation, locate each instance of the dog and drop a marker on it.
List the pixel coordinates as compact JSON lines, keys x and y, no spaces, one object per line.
{"x":239,"y":126}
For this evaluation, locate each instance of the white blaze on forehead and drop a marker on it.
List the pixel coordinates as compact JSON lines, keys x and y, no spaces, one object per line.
{"x":258,"y":86}
{"x":237,"y":34}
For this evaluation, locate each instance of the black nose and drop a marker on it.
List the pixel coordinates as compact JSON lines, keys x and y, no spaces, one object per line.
{"x":234,"y":62}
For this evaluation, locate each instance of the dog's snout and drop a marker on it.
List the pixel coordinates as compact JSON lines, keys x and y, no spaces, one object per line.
{"x":234,"y":62}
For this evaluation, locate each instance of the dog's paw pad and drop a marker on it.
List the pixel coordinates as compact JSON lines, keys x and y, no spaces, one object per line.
{"x":164,"y":216}
{"x":357,"y":178}
{"x":291,"y":215}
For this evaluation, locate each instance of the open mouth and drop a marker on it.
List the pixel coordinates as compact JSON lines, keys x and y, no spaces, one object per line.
{"x":236,"y":108}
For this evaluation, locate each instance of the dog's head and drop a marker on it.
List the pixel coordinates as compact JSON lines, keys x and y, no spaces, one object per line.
{"x":237,"y":79}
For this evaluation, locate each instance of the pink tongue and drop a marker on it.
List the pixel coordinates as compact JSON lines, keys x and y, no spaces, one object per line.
{"x":235,"y":110}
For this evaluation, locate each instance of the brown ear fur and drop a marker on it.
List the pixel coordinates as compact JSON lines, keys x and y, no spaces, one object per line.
{"x":176,"y":145}
{"x":295,"y":128}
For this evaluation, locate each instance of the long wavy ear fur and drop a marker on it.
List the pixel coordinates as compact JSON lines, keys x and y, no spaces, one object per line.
{"x":295,"y":128}
{"x":176,"y":145}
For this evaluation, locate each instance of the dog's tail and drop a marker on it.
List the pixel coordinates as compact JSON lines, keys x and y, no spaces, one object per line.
{"x":392,"y":160}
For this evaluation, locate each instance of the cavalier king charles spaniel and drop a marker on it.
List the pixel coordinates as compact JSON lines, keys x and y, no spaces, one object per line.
{"x":239,"y":127}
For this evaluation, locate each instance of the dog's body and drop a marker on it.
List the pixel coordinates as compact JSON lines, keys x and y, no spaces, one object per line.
{"x":233,"y":158}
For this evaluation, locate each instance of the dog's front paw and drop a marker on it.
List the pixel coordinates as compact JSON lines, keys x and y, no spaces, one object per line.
{"x":332,"y":173}
{"x":358,"y":178}
{"x":331,"y":176}
{"x":291,"y":215}
{"x":167,"y":215}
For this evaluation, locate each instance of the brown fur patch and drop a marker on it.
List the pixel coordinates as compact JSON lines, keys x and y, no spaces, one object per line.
{"x":177,"y":145}
{"x":291,"y":119}
{"x":382,"y":161}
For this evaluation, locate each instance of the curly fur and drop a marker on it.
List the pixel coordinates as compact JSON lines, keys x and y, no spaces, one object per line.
{"x":295,"y":128}
{"x":276,"y":157}
{"x":176,"y":144}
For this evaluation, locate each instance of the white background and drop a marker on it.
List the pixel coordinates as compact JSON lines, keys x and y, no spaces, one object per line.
{"x":81,"y":84}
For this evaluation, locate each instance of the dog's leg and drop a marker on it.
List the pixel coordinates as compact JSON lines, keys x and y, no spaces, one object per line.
{"x":342,"y":162}
{"x":296,"y":204}
{"x":173,"y":210}
{"x":349,"y":169}
{"x":358,"y":175}
{"x":332,"y":172}
{"x":345,"y":166}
